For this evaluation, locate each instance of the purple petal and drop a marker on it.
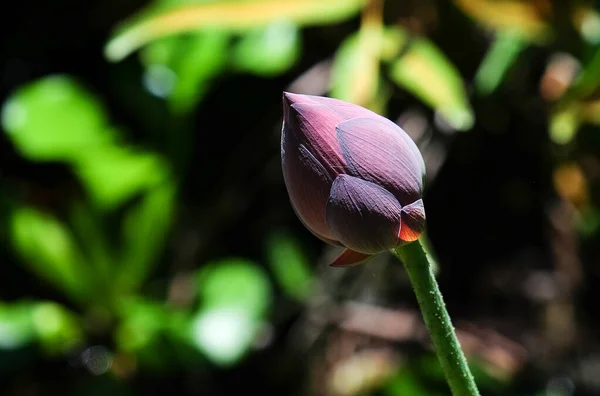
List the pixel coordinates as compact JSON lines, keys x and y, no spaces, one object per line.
{"x":379,"y":151}
{"x":363,"y":216}
{"x":308,"y":184}
{"x":313,"y":125}
{"x":413,"y":221}
{"x":345,"y":109}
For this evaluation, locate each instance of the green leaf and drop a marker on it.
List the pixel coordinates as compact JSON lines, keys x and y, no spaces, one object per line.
{"x":499,"y":59}
{"x":48,"y":248}
{"x":55,"y":118}
{"x":49,"y":323}
{"x":406,"y":384}
{"x":425,"y":71}
{"x":236,"y":283}
{"x":114,"y":174}
{"x":228,"y":15}
{"x":144,"y":229}
{"x":523,"y":16}
{"x":16,"y":325}
{"x":268,"y":51}
{"x":289,"y":265}
{"x":235,"y":295}
{"x":57,"y":328}
{"x":564,"y":123}
{"x":182,"y":68}
{"x":350,"y":77}
{"x":588,"y":80}
{"x":142,"y":321}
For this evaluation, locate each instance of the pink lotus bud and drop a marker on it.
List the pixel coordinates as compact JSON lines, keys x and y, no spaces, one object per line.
{"x":355,"y":179}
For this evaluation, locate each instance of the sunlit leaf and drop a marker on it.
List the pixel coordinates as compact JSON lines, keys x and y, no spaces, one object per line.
{"x":144,"y":234}
{"x":234,"y":296}
{"x":290,"y":266}
{"x":502,"y":55}
{"x":269,"y":50}
{"x":114,"y":174}
{"x":50,"y":324}
{"x":54,"y":118}
{"x":181,"y":68}
{"x":234,"y":283}
{"x":507,"y":14}
{"x":355,"y":73}
{"x":58,"y":330}
{"x":424,"y":71}
{"x":233,"y":16}
{"x":142,"y":321}
{"x":16,"y":325}
{"x":564,"y":123}
{"x":47,"y":247}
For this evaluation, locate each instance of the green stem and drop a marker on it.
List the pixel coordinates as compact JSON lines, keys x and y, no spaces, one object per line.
{"x":438,"y":322}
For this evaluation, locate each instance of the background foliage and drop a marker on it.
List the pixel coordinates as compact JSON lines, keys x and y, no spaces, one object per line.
{"x":150,"y":244}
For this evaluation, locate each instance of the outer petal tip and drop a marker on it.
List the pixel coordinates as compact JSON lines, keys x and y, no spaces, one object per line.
{"x":290,"y":98}
{"x":350,"y":258}
{"x":413,"y":221}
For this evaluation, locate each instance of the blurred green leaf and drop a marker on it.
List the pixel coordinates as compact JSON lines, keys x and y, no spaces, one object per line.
{"x":588,"y":80}
{"x":236,"y":283}
{"x":49,"y":323}
{"x":144,"y":234}
{"x":152,"y":331}
{"x":268,"y":51}
{"x":289,"y":265}
{"x":406,"y":384}
{"x":54,"y":118}
{"x":58,"y":329}
{"x":115,"y":174}
{"x":16,"y":325}
{"x":142,"y":321}
{"x":351,"y":65}
{"x":355,"y":71}
{"x":229,"y":15}
{"x":587,"y":221}
{"x":48,"y":248}
{"x":182,"y":68}
{"x":508,"y":14}
{"x":235,"y":295}
{"x":88,"y":229}
{"x":502,"y":55}
{"x":425,"y":71}
{"x":564,"y":123}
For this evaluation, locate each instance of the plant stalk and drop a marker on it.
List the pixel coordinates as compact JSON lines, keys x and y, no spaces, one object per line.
{"x":438,"y":321}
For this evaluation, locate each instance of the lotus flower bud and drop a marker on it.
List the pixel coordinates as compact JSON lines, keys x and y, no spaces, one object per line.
{"x":355,"y":179}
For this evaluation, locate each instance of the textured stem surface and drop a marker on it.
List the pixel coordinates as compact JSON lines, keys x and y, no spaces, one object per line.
{"x":438,"y":322}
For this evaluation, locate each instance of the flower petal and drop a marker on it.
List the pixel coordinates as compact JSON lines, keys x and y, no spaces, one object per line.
{"x":350,"y":258}
{"x":345,"y":109}
{"x":379,"y":151}
{"x":362,"y":215}
{"x":413,"y":221}
{"x":313,"y":125}
{"x":308,"y":184}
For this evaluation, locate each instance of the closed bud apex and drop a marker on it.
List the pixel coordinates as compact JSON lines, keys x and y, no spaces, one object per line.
{"x":355,"y":178}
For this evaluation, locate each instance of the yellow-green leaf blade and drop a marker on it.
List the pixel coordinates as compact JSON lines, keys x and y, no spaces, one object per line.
{"x":425,"y":71}
{"x":228,"y":15}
